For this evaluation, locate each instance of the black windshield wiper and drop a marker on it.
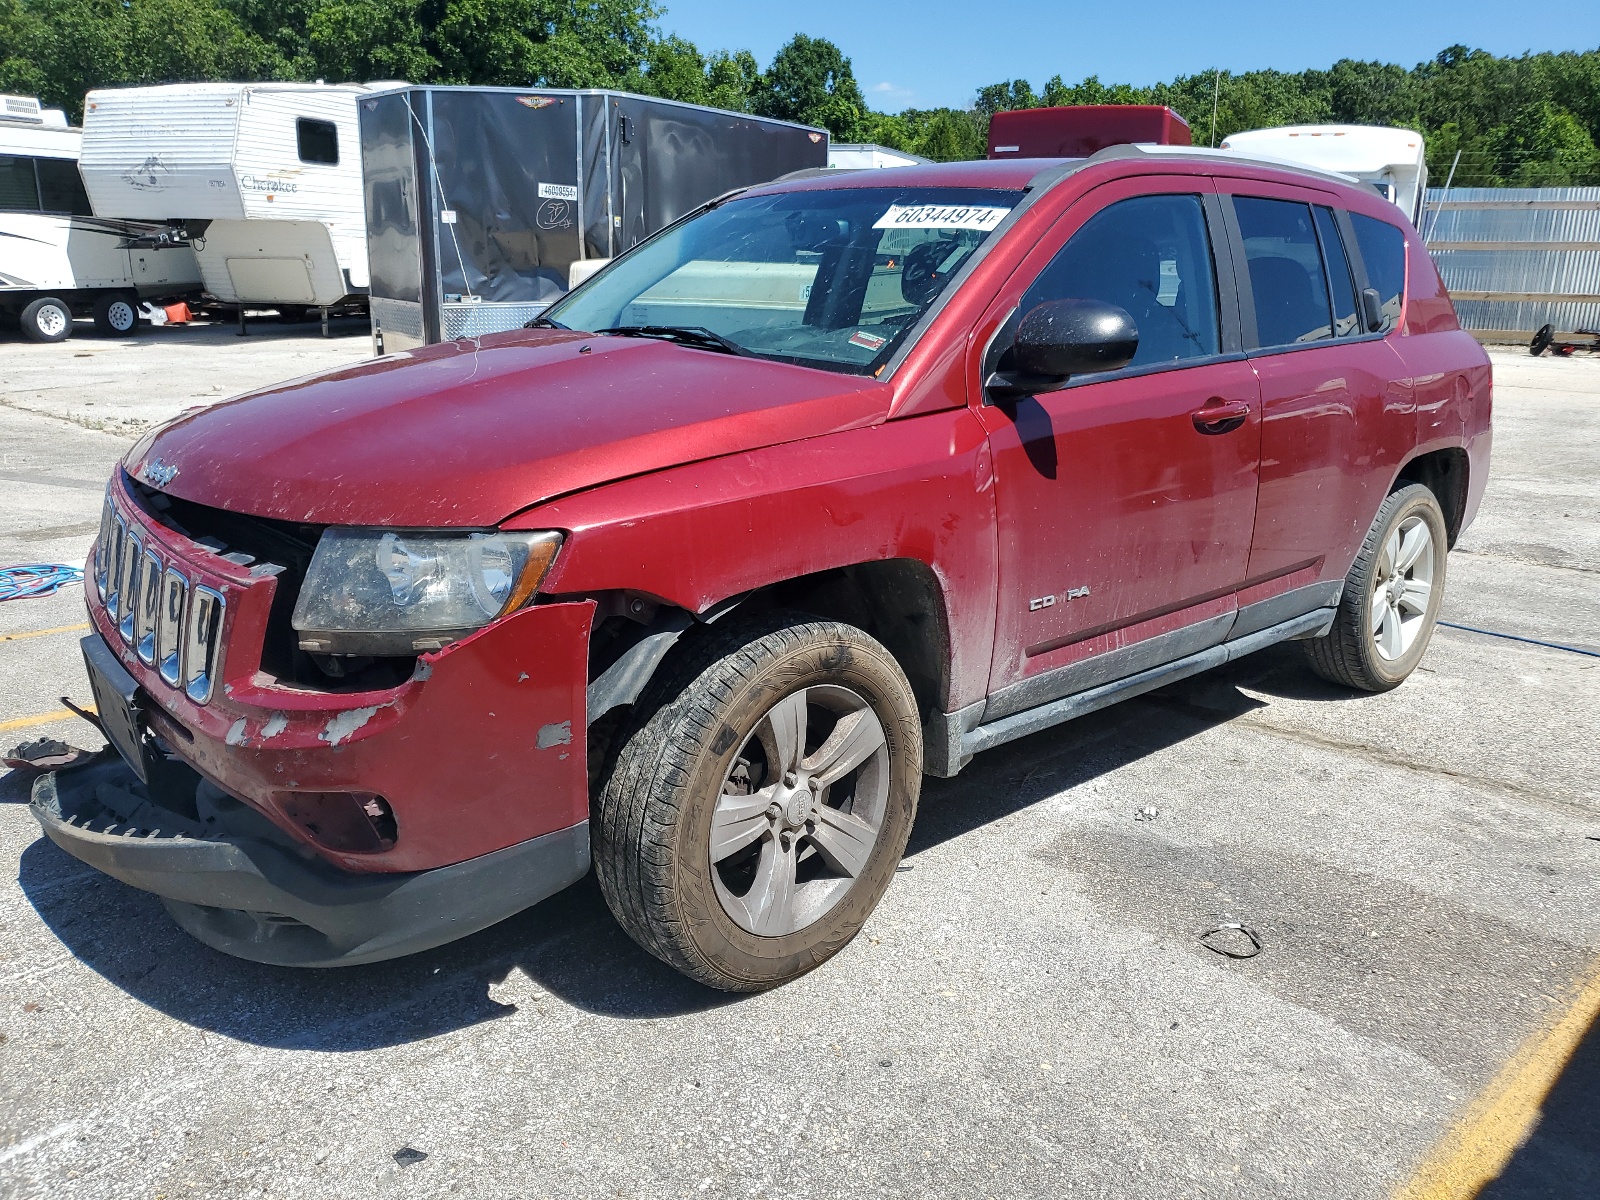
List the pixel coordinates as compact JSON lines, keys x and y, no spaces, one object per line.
{"x":544,"y":323}
{"x":685,"y":335}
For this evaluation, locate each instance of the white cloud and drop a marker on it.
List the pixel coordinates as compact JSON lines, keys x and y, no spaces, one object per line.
{"x":891,"y":91}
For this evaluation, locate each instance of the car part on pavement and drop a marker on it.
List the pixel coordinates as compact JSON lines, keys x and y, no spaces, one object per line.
{"x":756,"y":809}
{"x":1545,"y":339}
{"x":1226,"y":951}
{"x":1391,"y":596}
{"x":47,"y":754}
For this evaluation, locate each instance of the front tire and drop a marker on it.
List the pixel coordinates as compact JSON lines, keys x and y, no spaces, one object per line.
{"x":47,"y":319}
{"x":760,"y":800}
{"x":1391,"y":596}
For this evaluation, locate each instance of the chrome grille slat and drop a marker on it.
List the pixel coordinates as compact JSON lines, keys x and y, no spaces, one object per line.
{"x":102,"y":574}
{"x":119,"y":534}
{"x":132,"y":562}
{"x":202,"y":633}
{"x":169,"y":629}
{"x":146,"y":608}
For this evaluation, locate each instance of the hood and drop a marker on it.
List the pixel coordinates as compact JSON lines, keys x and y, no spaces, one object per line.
{"x":468,"y":433}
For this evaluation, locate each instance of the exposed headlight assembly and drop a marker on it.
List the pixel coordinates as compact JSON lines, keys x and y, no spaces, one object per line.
{"x":388,"y":592}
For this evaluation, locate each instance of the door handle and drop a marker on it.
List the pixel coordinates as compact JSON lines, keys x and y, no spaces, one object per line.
{"x":1221,"y":416}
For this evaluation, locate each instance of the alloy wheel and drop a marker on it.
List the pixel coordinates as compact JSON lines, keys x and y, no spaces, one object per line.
{"x":1402,"y":587}
{"x":800,"y":810}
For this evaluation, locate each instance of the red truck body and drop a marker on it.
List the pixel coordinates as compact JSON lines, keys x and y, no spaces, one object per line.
{"x":685,"y":482}
{"x":1079,"y":130}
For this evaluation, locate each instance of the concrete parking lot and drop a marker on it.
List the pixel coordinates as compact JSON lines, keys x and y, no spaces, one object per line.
{"x":1031,"y":1012}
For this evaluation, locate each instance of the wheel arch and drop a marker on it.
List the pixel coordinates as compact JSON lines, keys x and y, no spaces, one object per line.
{"x":898,"y":601}
{"x":1446,"y":472}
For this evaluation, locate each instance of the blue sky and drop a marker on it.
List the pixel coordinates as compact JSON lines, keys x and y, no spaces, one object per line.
{"x":935,"y":52}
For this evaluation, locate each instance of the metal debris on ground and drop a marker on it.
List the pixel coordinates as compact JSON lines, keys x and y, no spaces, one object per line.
{"x":47,"y":754}
{"x":29,"y":580}
{"x":1223,"y":949}
{"x":1147,"y":813}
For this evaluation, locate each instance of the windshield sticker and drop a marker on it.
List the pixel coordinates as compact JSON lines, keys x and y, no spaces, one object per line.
{"x":941,"y":216}
{"x":868,"y":341}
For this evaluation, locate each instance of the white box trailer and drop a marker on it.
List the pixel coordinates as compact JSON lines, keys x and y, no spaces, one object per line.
{"x":265,"y":178}
{"x":864,"y":156}
{"x":1393,"y":161}
{"x":57,"y":260}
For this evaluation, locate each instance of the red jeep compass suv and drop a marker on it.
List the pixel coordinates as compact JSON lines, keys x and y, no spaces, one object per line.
{"x":834,"y":482}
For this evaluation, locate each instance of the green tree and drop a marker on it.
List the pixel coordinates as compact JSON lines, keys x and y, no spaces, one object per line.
{"x":1546,"y":146}
{"x":733,"y":81}
{"x":811,"y":81}
{"x":60,"y":49}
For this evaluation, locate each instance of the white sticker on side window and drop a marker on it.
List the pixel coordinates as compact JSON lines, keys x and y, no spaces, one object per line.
{"x":1167,"y":292}
{"x":941,"y":216}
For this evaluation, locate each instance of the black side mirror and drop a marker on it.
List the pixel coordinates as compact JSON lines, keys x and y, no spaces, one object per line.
{"x":1062,"y":338}
{"x":1372,"y":309}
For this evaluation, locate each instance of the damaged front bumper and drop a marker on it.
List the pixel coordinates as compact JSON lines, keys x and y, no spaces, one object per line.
{"x":233,"y":880}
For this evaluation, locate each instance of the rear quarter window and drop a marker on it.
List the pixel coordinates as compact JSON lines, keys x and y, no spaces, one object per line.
{"x":1383,"y":253}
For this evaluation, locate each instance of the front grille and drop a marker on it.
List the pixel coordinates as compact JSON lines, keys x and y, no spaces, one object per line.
{"x":264,"y":546}
{"x":167,"y":620}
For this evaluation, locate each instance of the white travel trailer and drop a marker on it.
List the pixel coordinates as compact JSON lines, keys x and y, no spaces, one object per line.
{"x":859,"y":156}
{"x":1390,"y":160}
{"x":57,"y":260}
{"x":266,"y":179}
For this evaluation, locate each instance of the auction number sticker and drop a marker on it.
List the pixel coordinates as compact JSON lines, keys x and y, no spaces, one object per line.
{"x":557,"y":191}
{"x":941,"y":216}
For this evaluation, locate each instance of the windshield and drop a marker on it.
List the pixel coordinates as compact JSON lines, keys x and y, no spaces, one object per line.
{"x":831,"y":279}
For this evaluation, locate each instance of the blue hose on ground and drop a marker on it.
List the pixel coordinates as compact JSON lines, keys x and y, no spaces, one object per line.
{"x":36,"y":579}
{"x":1515,"y":637}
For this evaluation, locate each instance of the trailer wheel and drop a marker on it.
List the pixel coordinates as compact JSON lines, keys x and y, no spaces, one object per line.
{"x":116,"y":314}
{"x":47,"y":319}
{"x":759,"y":800}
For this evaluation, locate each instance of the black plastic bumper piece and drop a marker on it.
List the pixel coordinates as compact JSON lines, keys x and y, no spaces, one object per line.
{"x":258,"y":899}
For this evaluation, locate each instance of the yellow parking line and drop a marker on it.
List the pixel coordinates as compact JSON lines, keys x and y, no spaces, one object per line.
{"x":1477,"y":1147}
{"x":49,"y":718}
{"x":33,"y":633}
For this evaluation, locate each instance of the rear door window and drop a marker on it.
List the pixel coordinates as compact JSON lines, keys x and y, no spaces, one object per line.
{"x":1150,"y":255}
{"x":1341,"y":284}
{"x":1383,"y":254}
{"x":1287,"y":281}
{"x":18,"y":190}
{"x":318,"y":141}
{"x":61,"y":187}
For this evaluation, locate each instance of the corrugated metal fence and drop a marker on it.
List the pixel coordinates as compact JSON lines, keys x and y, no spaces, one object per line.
{"x":1518,"y":258}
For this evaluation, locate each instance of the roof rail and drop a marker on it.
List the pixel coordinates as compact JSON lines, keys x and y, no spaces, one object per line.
{"x":1114,"y":153}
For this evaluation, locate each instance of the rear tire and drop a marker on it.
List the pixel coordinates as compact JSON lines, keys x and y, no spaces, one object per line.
{"x":760,"y":800}
{"x":47,"y":319}
{"x":1391,"y":596}
{"x":116,"y":314}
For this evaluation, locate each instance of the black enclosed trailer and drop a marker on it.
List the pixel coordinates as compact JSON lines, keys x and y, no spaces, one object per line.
{"x":486,"y":204}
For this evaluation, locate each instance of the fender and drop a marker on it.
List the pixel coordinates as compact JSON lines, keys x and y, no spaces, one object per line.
{"x":692,"y":537}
